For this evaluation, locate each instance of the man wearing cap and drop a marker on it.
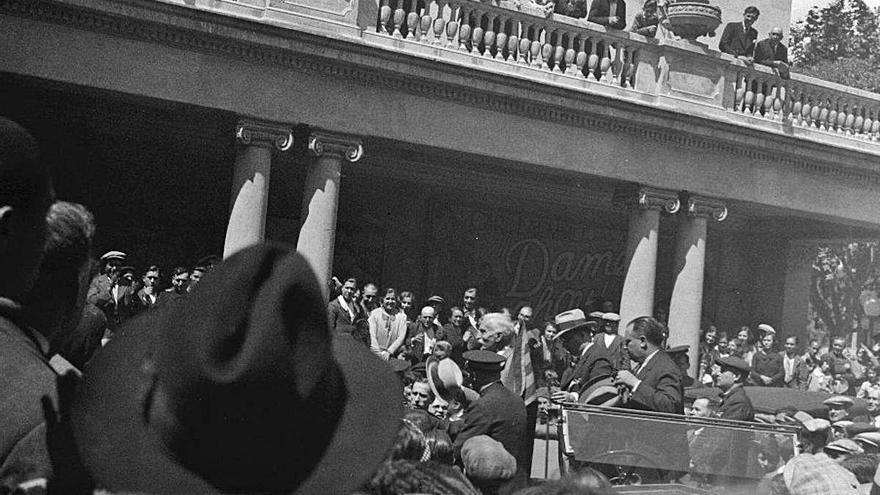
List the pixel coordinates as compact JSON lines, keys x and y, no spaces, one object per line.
{"x":728,"y":458}
{"x":498,"y":413}
{"x":343,"y":311}
{"x":436,"y":302}
{"x":679,"y":356}
{"x":609,"y":344}
{"x":25,"y":196}
{"x":767,"y":369}
{"x":576,"y":337}
{"x":105,"y":291}
{"x":838,"y":407}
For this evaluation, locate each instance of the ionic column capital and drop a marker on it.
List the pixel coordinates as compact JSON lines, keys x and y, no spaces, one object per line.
{"x":323,"y":143}
{"x":634,"y":197}
{"x":254,"y":133}
{"x":698,"y":206}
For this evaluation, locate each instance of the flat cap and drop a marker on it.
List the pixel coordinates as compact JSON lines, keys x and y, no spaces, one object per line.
{"x":733,"y":362}
{"x":869,"y":438}
{"x":843,"y":446}
{"x":839,"y":401}
{"x":483,"y":359}
{"x":436,"y":299}
{"x":113,"y":255}
{"x":766,"y":328}
{"x":597,"y":314}
{"x":485,"y":458}
{"x":610,"y":316}
{"x":816,"y":425}
{"x":677,"y":349}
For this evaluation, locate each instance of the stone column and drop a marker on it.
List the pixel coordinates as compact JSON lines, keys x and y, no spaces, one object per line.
{"x":646,"y":204}
{"x":250,"y":182}
{"x":317,"y":234}
{"x":686,"y":305}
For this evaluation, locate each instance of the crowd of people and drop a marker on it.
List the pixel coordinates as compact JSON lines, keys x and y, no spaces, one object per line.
{"x":241,"y":378}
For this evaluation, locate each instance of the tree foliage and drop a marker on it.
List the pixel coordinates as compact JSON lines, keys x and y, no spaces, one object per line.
{"x":841,"y":275}
{"x":839,"y":43}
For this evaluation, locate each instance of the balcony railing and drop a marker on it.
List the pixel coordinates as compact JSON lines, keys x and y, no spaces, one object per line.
{"x":581,"y":50}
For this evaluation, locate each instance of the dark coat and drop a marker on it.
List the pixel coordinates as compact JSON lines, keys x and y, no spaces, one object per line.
{"x":499,"y":414}
{"x":736,"y":41}
{"x":615,"y":353}
{"x":144,"y":300}
{"x":454,"y":336}
{"x":660,"y":388}
{"x":767,"y":364}
{"x":765,"y":52}
{"x":25,"y":377}
{"x":600,"y":11}
{"x":730,"y":453}
{"x":340,"y":319}
{"x":118,"y":309}
{"x":590,"y":364}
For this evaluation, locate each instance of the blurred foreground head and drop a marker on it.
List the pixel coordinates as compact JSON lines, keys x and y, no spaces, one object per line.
{"x":240,"y":388}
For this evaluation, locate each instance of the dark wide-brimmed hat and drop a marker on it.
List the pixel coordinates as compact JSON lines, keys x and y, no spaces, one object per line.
{"x":240,"y":388}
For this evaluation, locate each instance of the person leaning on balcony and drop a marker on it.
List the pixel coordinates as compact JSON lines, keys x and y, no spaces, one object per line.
{"x":738,"y":38}
{"x":571,"y":8}
{"x":773,"y":53}
{"x":646,"y":21}
{"x":611,"y":13}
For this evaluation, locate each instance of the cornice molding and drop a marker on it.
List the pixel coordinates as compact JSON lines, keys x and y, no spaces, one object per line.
{"x":701,"y":207}
{"x":255,"y":133}
{"x":210,"y":42}
{"x":322,"y":143}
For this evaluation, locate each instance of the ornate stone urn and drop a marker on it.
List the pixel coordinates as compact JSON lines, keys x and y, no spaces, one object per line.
{"x":693,"y":18}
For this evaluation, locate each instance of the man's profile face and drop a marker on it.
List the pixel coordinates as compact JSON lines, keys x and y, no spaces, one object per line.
{"x":151,"y":278}
{"x":470,"y":299}
{"x":195,"y":277}
{"x":180,"y":281}
{"x":348,"y":290}
{"x":724,"y":377}
{"x":700,"y":408}
{"x":634,"y":345}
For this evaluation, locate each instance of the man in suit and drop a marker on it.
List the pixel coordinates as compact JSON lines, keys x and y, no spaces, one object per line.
{"x":177,"y":291}
{"x":728,"y":459}
{"x":655,"y":383}
{"x":148,"y":295}
{"x":575,"y":333}
{"x":796,"y":371}
{"x":610,"y":344}
{"x":738,"y":38}
{"x":104,"y":290}
{"x":25,"y":373}
{"x":610,"y":13}
{"x":498,"y":413}
{"x":343,"y":311}
{"x":771,"y":51}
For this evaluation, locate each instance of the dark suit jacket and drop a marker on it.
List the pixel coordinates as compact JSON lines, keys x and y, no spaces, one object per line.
{"x":144,"y":301}
{"x":499,"y":414}
{"x":736,"y":41}
{"x":765,"y":52}
{"x":729,"y":457}
{"x":25,"y":377}
{"x":590,"y":364}
{"x":616,"y":352}
{"x":340,"y":319}
{"x":660,"y":389}
{"x":600,"y":11}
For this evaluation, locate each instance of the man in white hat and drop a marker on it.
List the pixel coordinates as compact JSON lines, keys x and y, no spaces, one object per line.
{"x":575,"y":335}
{"x":107,"y":294}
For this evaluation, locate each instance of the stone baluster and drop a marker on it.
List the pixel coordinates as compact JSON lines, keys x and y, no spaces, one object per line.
{"x":570,"y":55}
{"x":824,"y":114}
{"x":317,"y":234}
{"x":535,"y":48}
{"x":815,"y":110}
{"x":489,"y":36}
{"x":858,"y":120}
{"x":605,"y":63}
{"x":384,"y":16}
{"x":250,"y":182}
{"x":477,"y":36}
{"x":846,"y":118}
{"x":759,"y":96}
{"x":412,"y":20}
{"x":686,"y":303}
{"x":832,"y":114}
{"x":501,"y":38}
{"x":581,"y":57}
{"x":629,"y":66}
{"x":782,"y":104}
{"x":452,"y":26}
{"x":525,"y":44}
{"x":821,"y":112}
{"x":440,"y":22}
{"x":769,"y":100}
{"x":425,"y":24}
{"x":593,"y":60}
{"x":558,"y":52}
{"x":749,"y":97}
{"x":739,"y":94}
{"x":875,"y":125}
{"x":547,"y":49}
{"x":866,"y":125}
{"x":513,"y":41}
{"x":797,"y":105}
{"x":616,"y":63}
{"x":399,"y":16}
{"x":464,"y":32}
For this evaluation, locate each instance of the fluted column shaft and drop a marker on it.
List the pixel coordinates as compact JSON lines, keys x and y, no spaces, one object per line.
{"x":686,"y":305}
{"x":637,"y":298}
{"x":317,"y":234}
{"x":250,"y":182}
